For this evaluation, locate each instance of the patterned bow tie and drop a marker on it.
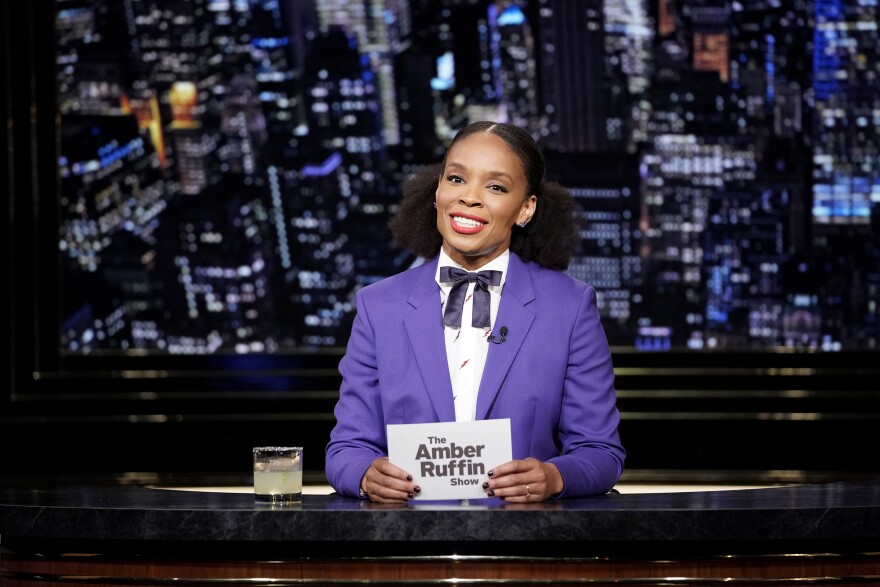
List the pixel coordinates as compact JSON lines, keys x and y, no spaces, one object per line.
{"x":455,"y":302}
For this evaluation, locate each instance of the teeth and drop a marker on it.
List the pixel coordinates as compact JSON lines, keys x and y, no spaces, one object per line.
{"x":466,"y":222}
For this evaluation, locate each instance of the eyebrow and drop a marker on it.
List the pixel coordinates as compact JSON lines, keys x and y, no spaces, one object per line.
{"x":499,"y":174}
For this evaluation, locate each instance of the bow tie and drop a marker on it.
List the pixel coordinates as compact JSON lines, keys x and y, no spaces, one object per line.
{"x":455,"y":302}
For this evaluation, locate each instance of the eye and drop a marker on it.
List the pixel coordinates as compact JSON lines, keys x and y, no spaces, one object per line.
{"x":495,"y":187}
{"x":452,"y":178}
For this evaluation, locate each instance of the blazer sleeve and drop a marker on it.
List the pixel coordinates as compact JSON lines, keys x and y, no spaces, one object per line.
{"x":358,"y":437}
{"x":591,"y":457}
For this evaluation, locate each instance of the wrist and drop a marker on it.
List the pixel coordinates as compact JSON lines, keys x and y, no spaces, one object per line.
{"x":555,"y":483}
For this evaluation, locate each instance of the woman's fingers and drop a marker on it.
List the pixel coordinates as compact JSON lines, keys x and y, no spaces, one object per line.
{"x":386,"y":483}
{"x":527,"y":480}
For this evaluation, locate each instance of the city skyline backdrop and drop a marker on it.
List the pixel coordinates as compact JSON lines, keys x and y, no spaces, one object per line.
{"x":228,"y":167}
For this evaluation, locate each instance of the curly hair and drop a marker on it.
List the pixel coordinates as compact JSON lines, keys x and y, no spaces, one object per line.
{"x":549,"y":239}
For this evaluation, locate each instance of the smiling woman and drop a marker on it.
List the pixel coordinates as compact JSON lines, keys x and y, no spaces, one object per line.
{"x":482,"y":194}
{"x":498,"y":237}
{"x":553,"y":229}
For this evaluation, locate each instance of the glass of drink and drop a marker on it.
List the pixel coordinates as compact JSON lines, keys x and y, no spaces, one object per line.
{"x":278,"y":474}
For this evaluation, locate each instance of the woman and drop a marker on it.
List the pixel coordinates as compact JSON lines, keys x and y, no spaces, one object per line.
{"x":412,"y":355}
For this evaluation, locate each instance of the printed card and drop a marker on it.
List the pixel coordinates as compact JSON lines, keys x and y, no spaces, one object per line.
{"x":449,"y":460}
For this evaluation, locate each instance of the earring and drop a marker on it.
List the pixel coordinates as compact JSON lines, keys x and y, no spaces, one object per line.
{"x":435,"y":203}
{"x":522,"y":224}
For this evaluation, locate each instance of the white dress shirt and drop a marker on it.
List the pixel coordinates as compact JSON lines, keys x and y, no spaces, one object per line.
{"x":467,"y":347}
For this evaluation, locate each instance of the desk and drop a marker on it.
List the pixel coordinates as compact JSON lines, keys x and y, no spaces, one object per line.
{"x":804,"y":534}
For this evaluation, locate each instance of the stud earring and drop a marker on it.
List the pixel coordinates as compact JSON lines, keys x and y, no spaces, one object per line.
{"x":522,"y":224}
{"x":435,"y":203}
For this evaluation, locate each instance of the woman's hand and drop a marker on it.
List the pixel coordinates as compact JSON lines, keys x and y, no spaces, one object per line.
{"x":386,"y":483}
{"x":525,"y":481}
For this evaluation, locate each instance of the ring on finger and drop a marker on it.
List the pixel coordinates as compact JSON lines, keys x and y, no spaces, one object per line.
{"x":528,"y":493}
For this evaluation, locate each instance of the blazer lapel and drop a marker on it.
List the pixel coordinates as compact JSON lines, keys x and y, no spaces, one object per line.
{"x":424,"y":325}
{"x":512,"y":313}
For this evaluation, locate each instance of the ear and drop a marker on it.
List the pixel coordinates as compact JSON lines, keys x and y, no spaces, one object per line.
{"x":529,"y":206}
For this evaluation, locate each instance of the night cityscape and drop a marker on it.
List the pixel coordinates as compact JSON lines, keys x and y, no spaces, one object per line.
{"x":228,"y":167}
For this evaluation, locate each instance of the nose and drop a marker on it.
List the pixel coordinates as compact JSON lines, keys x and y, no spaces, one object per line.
{"x":470,"y":198}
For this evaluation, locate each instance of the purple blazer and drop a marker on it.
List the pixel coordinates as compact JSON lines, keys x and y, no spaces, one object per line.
{"x":552,"y":376}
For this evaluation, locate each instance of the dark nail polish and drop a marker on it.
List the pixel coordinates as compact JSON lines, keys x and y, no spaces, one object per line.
{"x":409,"y":477}
{"x":501,"y":498}
{"x":410,"y":495}
{"x":492,"y":494}
{"x":417,"y":489}
{"x":490,"y":473}
{"x":486,"y":485}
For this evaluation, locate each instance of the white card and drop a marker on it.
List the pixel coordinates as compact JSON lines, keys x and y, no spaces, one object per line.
{"x":450,"y":460}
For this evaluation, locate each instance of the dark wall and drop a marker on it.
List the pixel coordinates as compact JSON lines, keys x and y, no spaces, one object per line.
{"x":713,"y":417}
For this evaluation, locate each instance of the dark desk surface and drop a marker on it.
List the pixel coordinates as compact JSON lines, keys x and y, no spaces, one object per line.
{"x":820,"y":512}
